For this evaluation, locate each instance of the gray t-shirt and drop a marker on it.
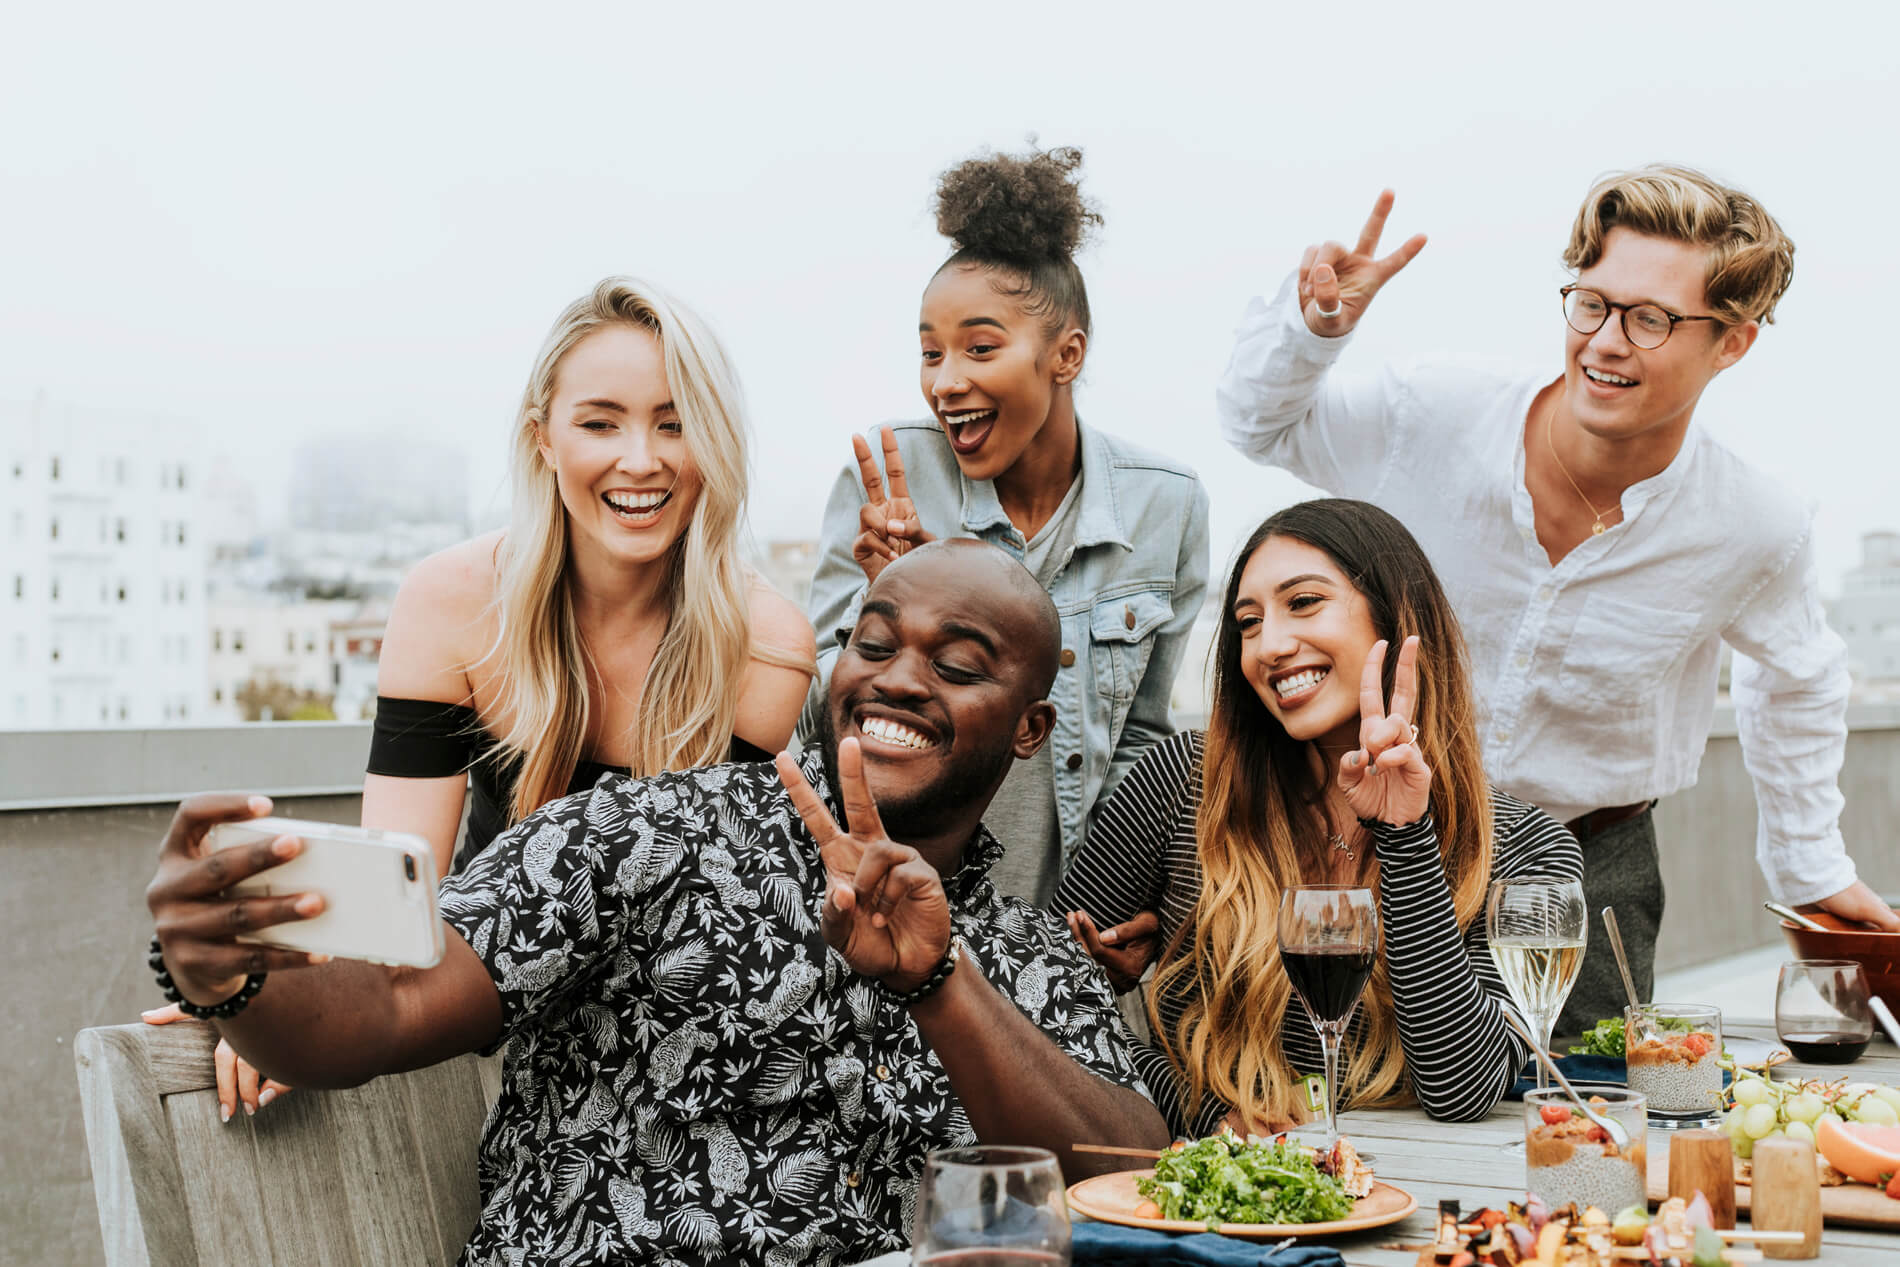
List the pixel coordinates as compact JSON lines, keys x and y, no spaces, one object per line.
{"x":1023,"y":815}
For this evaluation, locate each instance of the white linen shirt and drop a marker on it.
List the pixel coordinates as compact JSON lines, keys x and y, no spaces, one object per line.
{"x":1596,"y":677}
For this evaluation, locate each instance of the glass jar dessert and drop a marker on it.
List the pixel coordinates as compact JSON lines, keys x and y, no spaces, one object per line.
{"x":1567,"y":1157}
{"x":1673,"y":1054}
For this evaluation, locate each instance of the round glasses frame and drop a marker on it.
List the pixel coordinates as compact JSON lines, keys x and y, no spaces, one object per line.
{"x":1584,"y":325}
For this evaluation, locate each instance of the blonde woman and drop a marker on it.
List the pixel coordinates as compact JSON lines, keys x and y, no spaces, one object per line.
{"x":1311,"y":772}
{"x":612,"y":626}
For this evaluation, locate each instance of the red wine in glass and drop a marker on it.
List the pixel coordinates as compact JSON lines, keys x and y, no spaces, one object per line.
{"x":1827,"y":1049}
{"x":1328,"y":978}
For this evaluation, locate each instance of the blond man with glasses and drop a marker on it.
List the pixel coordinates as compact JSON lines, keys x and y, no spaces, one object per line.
{"x":1599,"y":548}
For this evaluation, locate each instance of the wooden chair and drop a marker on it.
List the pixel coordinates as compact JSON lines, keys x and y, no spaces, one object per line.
{"x":381,"y":1174}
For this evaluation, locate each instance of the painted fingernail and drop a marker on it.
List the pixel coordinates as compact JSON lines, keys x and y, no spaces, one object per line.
{"x":259,"y":805}
{"x":250,"y":1110}
{"x":317,"y":958}
{"x":224,"y":1112}
{"x":266,"y":1096}
{"x":307,"y":905}
{"x":154,"y":1013}
{"x":284,"y":846}
{"x":1108,"y":938}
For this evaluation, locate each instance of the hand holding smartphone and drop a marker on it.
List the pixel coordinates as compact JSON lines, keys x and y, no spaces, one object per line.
{"x":378,"y":889}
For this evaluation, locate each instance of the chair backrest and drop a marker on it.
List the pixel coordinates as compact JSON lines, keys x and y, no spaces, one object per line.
{"x":382,"y":1173}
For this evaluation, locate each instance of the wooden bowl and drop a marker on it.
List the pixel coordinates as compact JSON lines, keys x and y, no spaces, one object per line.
{"x":1878,"y":954}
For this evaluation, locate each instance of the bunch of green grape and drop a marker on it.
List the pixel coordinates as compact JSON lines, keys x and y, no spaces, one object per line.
{"x":1760,"y":1107}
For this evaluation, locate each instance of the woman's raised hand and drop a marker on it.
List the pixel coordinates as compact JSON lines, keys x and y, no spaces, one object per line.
{"x":887,"y":525}
{"x":1337,"y":284}
{"x":1385,"y":777}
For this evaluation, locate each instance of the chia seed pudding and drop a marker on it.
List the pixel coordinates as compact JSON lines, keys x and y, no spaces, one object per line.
{"x":1674,"y":1058}
{"x":1570,"y":1158}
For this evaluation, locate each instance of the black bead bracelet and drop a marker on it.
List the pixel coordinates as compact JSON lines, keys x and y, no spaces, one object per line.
{"x":933,"y":982}
{"x":217,"y":1011}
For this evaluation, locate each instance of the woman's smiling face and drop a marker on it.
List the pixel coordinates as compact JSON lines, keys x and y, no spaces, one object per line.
{"x":986,"y":369}
{"x":1305,"y":632}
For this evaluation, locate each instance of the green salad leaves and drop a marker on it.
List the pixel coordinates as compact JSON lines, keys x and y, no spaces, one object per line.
{"x":1223,"y":1179}
{"x":1605,"y":1038}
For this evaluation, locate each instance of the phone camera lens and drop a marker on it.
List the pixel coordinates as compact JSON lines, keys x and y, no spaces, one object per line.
{"x":409,"y":866}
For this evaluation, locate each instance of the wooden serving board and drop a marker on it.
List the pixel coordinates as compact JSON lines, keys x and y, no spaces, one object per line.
{"x":1850,"y":1204}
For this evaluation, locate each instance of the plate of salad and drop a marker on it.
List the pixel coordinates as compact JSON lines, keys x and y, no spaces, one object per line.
{"x":1255,"y":1187}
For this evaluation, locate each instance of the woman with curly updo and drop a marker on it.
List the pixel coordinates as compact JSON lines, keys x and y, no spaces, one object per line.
{"x":1116,"y":534}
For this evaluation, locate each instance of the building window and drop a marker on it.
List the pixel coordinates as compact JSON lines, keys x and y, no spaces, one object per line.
{"x":121,"y":591}
{"x":217,"y":639}
{"x":56,"y":468}
{"x":19,"y":586}
{"x":181,"y":523}
{"x":121,"y":525}
{"x":217,"y":695}
{"x":56,"y":527}
{"x":181,"y":476}
{"x":56,"y":589}
{"x":122,"y":708}
{"x":55,"y":653}
{"x":118,"y":471}
{"x":237,"y":640}
{"x":290,"y":643}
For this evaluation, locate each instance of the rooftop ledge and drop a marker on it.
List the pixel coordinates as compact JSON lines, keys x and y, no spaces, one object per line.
{"x":77,"y":768}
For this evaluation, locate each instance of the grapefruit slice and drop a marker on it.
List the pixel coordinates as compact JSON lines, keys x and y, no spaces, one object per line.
{"x":1863,"y":1152}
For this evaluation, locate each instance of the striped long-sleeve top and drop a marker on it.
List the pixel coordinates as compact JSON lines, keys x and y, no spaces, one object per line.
{"x":1459,"y":1055}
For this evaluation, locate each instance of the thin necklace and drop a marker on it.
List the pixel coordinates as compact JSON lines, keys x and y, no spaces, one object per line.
{"x":1597,"y":525}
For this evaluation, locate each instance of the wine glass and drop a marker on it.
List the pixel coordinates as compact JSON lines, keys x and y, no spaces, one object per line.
{"x":1537,"y":932}
{"x":991,"y":1205}
{"x":1821,"y":1010}
{"x":1329,"y":940}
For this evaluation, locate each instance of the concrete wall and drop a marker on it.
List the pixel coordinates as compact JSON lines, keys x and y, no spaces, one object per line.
{"x":72,"y":882}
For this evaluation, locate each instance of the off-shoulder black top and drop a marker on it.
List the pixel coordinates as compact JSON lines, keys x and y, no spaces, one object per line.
{"x":427,"y":739}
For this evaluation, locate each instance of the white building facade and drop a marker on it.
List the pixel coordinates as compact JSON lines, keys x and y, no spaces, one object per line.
{"x":1867,"y":614}
{"x":102,"y":575}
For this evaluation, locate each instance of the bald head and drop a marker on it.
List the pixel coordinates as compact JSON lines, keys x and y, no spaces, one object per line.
{"x":989,"y":583}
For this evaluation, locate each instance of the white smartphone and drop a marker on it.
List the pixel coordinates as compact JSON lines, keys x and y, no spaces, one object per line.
{"x":378,"y":890}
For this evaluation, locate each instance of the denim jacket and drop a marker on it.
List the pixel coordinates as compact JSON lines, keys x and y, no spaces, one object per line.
{"x":1127,"y":594}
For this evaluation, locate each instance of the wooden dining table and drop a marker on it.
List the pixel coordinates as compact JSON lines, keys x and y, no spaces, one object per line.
{"x":1475,"y":1163}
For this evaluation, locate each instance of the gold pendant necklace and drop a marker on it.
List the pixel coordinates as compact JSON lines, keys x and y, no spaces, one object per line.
{"x":1597,"y":525}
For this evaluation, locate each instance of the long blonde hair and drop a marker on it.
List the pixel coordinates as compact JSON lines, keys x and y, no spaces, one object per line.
{"x":1260,"y":799}
{"x":691,"y":693}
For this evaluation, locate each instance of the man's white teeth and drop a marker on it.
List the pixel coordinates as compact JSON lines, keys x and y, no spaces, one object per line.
{"x":1299,"y":681}
{"x":638,"y":503}
{"x":888,"y":731}
{"x":975,"y":415}
{"x":1614,"y":380}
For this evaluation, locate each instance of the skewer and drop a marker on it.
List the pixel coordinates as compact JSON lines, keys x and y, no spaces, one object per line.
{"x":1112,"y":1150}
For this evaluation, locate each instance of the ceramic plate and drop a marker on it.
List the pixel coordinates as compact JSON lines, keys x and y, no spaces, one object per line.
{"x":1113,"y":1198}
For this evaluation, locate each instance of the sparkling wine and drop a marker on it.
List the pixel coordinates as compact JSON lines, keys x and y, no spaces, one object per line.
{"x":1835,"y":1048}
{"x":1538,"y":971}
{"x":1328,"y":978}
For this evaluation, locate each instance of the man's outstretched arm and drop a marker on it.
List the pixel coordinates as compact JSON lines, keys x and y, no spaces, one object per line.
{"x":315,"y":1023}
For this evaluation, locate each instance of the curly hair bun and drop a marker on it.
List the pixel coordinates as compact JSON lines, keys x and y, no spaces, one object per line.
{"x":1005,"y":207}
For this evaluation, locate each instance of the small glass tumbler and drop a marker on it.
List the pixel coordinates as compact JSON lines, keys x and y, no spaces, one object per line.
{"x":1821,"y":1010}
{"x":1673,"y":1054}
{"x":991,"y":1206}
{"x":1567,"y":1157}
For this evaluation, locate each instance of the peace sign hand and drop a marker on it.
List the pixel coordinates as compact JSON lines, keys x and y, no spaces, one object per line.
{"x":1336,"y":284}
{"x":888,"y":526}
{"x":1386,"y":777}
{"x":885,"y":909}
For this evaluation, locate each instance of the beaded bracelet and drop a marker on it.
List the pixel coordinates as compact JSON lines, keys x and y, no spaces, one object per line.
{"x":217,"y":1011}
{"x":933,"y":982}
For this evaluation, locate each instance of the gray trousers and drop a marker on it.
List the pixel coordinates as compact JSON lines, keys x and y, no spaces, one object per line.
{"x":1620,"y":869}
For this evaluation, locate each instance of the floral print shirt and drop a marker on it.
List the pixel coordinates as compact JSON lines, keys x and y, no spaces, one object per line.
{"x":691,"y":1074}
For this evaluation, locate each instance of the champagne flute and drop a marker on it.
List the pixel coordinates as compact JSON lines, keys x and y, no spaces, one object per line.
{"x":1329,"y":941}
{"x":991,"y":1205}
{"x":1537,"y":932}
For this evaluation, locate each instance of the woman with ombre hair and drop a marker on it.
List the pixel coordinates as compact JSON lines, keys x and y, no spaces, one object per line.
{"x":1325,"y":761}
{"x":612,"y":626}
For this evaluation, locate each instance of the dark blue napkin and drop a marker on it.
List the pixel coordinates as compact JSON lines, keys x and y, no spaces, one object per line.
{"x":1610,"y":1069}
{"x":1111,"y":1245}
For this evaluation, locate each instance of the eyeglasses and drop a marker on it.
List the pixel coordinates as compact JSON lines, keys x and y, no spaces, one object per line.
{"x":1645,"y":325}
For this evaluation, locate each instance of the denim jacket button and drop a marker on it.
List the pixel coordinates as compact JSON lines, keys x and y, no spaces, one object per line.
{"x":1068,"y":658}
{"x":1075,"y":761}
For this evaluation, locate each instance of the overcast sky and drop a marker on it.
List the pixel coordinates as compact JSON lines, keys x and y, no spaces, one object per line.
{"x":276,"y":221}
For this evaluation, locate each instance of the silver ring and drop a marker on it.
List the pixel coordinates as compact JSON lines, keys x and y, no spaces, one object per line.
{"x":1327,"y":314}
{"x":1411,"y":733}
